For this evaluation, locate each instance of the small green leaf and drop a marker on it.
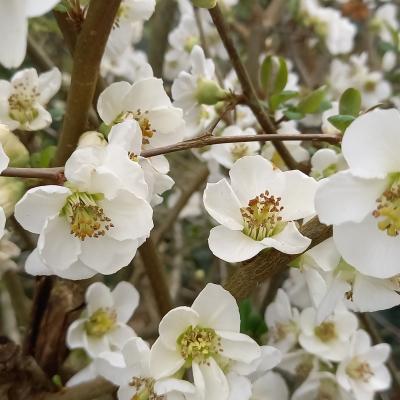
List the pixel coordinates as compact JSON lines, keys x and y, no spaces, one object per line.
{"x":350,"y":102}
{"x":341,"y":122}
{"x":293,"y":114}
{"x":273,"y":75}
{"x":277,"y":99}
{"x":43,"y":158}
{"x":311,"y":104}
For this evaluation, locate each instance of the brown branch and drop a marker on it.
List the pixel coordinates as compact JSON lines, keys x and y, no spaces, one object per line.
{"x":57,"y":173}
{"x":174,"y":212}
{"x":247,"y":87}
{"x":88,"y":52}
{"x":161,"y":24}
{"x":266,"y":264}
{"x":84,"y":391}
{"x":156,"y":273}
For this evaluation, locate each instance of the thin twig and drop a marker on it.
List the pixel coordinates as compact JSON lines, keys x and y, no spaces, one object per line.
{"x":247,"y":87}
{"x":266,"y":264}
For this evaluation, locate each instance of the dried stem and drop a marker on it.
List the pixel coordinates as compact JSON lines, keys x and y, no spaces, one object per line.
{"x":266,"y":264}
{"x":156,"y":273}
{"x":88,"y":52}
{"x":247,"y":87}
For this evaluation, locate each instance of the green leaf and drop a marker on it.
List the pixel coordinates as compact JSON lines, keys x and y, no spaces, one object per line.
{"x":293,"y":114}
{"x":341,"y":122}
{"x":350,"y":102}
{"x":311,"y":104}
{"x":277,"y":99}
{"x":273,"y":75}
{"x":43,"y":158}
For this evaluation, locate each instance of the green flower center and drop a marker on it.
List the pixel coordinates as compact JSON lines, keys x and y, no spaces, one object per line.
{"x":326,"y":332}
{"x":239,"y":150}
{"x":144,"y":389}
{"x":359,"y":370}
{"x":387,"y":211}
{"x":21,"y":104}
{"x":282,"y":330}
{"x":100,"y":322}
{"x":85,"y":216}
{"x":190,"y":42}
{"x":328,"y":390}
{"x":197,"y":344}
{"x":261,"y":217}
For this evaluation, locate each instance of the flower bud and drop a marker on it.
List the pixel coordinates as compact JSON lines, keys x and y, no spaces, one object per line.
{"x":205,"y":3}
{"x":92,"y":138}
{"x":11,"y":190}
{"x":13,"y":147}
{"x":209,"y":92}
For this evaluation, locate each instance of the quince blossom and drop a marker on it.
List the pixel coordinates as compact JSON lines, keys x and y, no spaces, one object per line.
{"x":257,"y":210}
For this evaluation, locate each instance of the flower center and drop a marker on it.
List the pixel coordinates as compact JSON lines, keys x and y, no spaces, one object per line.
{"x":142,"y":119}
{"x":21,"y":103}
{"x":239,"y":150}
{"x":326,"y":332}
{"x":100,"y":322}
{"x":144,"y":389}
{"x":328,"y":390}
{"x":261,"y":217}
{"x":359,"y":370}
{"x":280,"y":331}
{"x":190,"y":42}
{"x":84,"y":215}
{"x":198,"y":344}
{"x":388,"y":209}
{"x":370,"y":86}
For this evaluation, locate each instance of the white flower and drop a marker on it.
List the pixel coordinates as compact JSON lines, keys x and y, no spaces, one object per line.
{"x":363,"y":371}
{"x":14,"y":27}
{"x":91,"y":225}
{"x":386,"y":17}
{"x":257,"y":210}
{"x":128,"y":136}
{"x":146,"y":102}
{"x":328,"y":340}
{"x":326,"y":162}
{"x":206,"y":339}
{"x":331,"y":280}
{"x":130,"y":370}
{"x":363,"y":202}
{"x":103,"y":326}
{"x":321,"y":385}
{"x":192,"y":91}
{"x":300,"y":364}
{"x":283,"y":323}
{"x":22,"y":100}
{"x":228,"y":153}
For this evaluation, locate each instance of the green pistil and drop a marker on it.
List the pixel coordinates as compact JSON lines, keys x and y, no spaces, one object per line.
{"x":101,"y":322}
{"x":197,"y":344}
{"x":326,"y":332}
{"x":261,"y":217}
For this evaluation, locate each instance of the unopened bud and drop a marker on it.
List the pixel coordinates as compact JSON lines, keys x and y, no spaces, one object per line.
{"x":92,"y":138}
{"x":13,"y":147}
{"x":11,"y":190}
{"x":209,"y":92}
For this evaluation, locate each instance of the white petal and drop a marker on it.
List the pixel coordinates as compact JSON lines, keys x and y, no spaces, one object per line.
{"x":166,"y":120}
{"x":96,"y":345}
{"x":270,"y":386}
{"x":240,"y":387}
{"x":174,"y":323}
{"x":4,"y":160}
{"x":289,"y":241}
{"x":164,"y":362}
{"x":165,"y":386}
{"x":35,"y":8}
{"x":367,"y":248}
{"x":324,"y":256}
{"x":217,"y":309}
{"x":381,"y":379}
{"x":126,"y":300}
{"x":38,"y":204}
{"x":211,"y":380}
{"x":345,"y":197}
{"x":49,"y":84}
{"x":110,"y":103}
{"x":222,"y":204}
{"x":2,"y":222}
{"x":75,"y":334}
{"x":111,"y":366}
{"x":378,"y":354}
{"x":120,"y":335}
{"x":13,"y":32}
{"x":370,"y":143}
{"x":239,"y":347}
{"x":57,"y":247}
{"x":297,"y":196}
{"x":253,"y":175}
{"x":98,"y":296}
{"x":128,"y":135}
{"x":84,"y":375}
{"x":233,"y":246}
